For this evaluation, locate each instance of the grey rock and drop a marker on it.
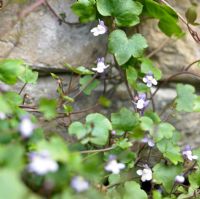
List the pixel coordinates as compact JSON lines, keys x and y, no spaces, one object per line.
{"x":45,"y":44}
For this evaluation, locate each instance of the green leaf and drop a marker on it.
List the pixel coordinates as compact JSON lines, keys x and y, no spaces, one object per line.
{"x":81,"y":70}
{"x":165,"y":175}
{"x":133,"y":191}
{"x":28,"y":76}
{"x":11,"y":156}
{"x":125,"y":12}
{"x":157,"y":195}
{"x":4,"y":105}
{"x":191,"y":14}
{"x":56,"y":147}
{"x":194,"y":179}
{"x":124,"y":48}
{"x":154,"y":116}
{"x":11,"y":185}
{"x":170,"y":150}
{"x":85,"y":9}
{"x":77,"y":129}
{"x":148,"y":66}
{"x":165,"y":130}
{"x":196,"y":107}
{"x":168,"y":19}
{"x":124,"y":144}
{"x":114,"y":179}
{"x":88,"y":84}
{"x":131,"y":75}
{"x":100,"y":127}
{"x":48,"y":108}
{"x":146,"y":124}
{"x":13,"y":99}
{"x":185,"y":97}
{"x":124,"y":120}
{"x":105,"y":101}
{"x":10,"y":70}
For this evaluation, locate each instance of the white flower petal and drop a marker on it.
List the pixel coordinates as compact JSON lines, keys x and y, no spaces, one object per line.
{"x":154,"y":82}
{"x":194,"y":157}
{"x":139,"y":172}
{"x":179,"y":179}
{"x":144,"y":79}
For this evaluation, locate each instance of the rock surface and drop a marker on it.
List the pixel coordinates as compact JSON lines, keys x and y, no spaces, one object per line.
{"x":46,"y":46}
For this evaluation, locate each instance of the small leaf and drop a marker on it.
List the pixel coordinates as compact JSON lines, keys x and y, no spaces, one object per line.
{"x":105,"y":101}
{"x":10,"y":70}
{"x":114,"y":179}
{"x":197,"y":104}
{"x":77,"y":129}
{"x":81,"y":70}
{"x":194,"y":179}
{"x":48,"y":108}
{"x":148,"y":66}
{"x":191,"y":14}
{"x":165,"y":175}
{"x":133,"y":191}
{"x":124,"y":120}
{"x":146,"y":124}
{"x":124,"y":144}
{"x":131,"y":75}
{"x":88,"y":84}
{"x":28,"y":76}
{"x":185,"y":97}
{"x":168,"y":19}
{"x":170,"y":150}
{"x":125,"y":48}
{"x":165,"y":130}
{"x":85,"y":9}
{"x":125,"y":12}
{"x":12,"y":189}
{"x":100,"y":127}
{"x":56,"y":147}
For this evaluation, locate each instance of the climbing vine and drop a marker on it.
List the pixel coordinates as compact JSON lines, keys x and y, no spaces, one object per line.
{"x":130,"y":153}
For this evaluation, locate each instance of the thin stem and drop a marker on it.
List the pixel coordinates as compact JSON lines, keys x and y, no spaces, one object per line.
{"x":151,"y":54}
{"x":193,"y":33}
{"x":57,"y":16}
{"x":97,"y":150}
{"x":23,"y":87}
{"x":172,"y":77}
{"x":89,"y":82}
{"x":190,"y":65}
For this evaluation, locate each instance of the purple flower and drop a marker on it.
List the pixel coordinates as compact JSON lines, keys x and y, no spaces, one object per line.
{"x":113,"y":166}
{"x":79,"y":184}
{"x":100,"y":29}
{"x":179,"y":179}
{"x":41,"y":163}
{"x":100,"y":65}
{"x":26,"y":127}
{"x":149,"y":141}
{"x":141,"y":103}
{"x":187,"y":153}
{"x":150,"y":80}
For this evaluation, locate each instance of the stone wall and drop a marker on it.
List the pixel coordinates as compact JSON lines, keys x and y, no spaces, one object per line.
{"x":46,"y":45}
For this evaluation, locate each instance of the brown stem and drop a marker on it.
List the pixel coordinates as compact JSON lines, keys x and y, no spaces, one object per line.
{"x":193,"y":33}
{"x":23,"y":87}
